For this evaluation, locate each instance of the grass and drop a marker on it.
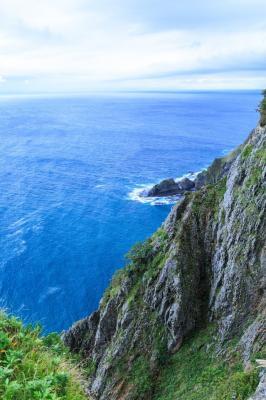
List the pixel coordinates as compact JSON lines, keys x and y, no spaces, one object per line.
{"x":209,"y":200}
{"x":260,"y":155}
{"x":246,"y":151}
{"x":262,"y":109}
{"x":195,"y":372}
{"x":141,"y":377}
{"x":33,"y":367}
{"x":142,"y":259}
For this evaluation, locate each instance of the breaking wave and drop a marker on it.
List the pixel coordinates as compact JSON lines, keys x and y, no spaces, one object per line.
{"x":139,"y":193}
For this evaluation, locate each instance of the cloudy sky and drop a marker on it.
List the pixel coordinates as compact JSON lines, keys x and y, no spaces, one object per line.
{"x":90,"y":45}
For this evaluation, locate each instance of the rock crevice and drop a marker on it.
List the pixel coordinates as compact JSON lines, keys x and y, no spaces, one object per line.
{"x":206,"y":264}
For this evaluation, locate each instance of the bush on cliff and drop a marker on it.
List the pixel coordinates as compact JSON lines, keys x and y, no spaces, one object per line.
{"x":34,"y":367}
{"x":262,"y":109}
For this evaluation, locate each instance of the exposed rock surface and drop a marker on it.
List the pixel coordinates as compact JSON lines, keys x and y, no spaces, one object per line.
{"x":186,"y":184}
{"x":206,"y":264}
{"x":260,"y":393}
{"x":170,"y":187}
{"x":218,"y":169}
{"x":167,"y":187}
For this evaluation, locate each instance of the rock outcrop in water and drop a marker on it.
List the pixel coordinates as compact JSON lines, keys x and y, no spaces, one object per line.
{"x":218,"y":169}
{"x":170,"y":187}
{"x":186,"y":317}
{"x":167,"y":187}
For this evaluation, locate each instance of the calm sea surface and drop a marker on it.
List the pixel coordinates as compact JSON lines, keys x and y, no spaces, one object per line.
{"x":68,"y":168}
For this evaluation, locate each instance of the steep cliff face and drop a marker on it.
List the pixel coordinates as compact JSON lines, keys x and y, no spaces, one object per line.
{"x":202,"y":271}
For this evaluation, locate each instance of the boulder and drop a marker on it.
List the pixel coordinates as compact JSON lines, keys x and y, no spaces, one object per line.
{"x":167,"y":187}
{"x":186,"y":184}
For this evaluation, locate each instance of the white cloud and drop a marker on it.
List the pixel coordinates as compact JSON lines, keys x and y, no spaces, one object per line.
{"x":71,"y":45}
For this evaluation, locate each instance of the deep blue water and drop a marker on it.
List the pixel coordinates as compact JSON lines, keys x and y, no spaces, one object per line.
{"x":67,"y":166}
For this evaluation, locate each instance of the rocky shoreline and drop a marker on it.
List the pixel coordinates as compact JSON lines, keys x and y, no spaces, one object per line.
{"x":170,"y":187}
{"x":186,"y":318}
{"x":178,"y":187}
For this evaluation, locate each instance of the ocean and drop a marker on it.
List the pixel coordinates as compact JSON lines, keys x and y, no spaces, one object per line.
{"x":71,"y":169}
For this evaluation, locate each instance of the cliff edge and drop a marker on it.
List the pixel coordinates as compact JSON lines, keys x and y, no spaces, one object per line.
{"x":186,"y":318}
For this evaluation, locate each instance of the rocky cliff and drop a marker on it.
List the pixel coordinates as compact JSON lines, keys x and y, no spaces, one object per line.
{"x":186,"y":318}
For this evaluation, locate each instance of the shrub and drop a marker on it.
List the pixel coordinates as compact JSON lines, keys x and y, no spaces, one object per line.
{"x":196,"y":372}
{"x":34,"y":367}
{"x":140,"y":253}
{"x":246,"y":151}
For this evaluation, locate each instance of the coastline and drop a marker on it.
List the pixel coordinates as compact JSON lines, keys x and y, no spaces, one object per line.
{"x":140,"y":192}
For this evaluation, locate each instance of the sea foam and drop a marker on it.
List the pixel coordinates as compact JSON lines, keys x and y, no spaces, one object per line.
{"x":139,"y":193}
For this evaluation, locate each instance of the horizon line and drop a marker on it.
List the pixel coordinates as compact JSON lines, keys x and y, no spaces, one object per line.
{"x":124,"y":91}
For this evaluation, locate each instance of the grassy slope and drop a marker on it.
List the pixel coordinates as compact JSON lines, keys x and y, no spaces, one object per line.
{"x":197,"y":373}
{"x":34,"y":367}
{"x":263,"y":110}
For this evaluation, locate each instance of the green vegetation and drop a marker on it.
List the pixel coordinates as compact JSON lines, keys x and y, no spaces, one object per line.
{"x":195,"y":372}
{"x":141,"y":374}
{"x":254,"y":178}
{"x":262,"y":109}
{"x":138,"y":257}
{"x":114,"y":287}
{"x":260,"y":155}
{"x":208,"y":200}
{"x":252,"y":173}
{"x":144,"y":260}
{"x":34,"y":367}
{"x":133,"y":368}
{"x":246,"y":151}
{"x":140,"y":253}
{"x":141,"y":377}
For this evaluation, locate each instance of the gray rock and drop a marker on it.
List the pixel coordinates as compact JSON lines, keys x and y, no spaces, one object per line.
{"x":260,"y":393}
{"x":186,"y":184}
{"x":167,"y":187}
{"x":207,"y":263}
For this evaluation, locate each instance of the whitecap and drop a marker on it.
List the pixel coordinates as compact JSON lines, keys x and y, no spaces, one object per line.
{"x":24,"y":220}
{"x":101,"y":186}
{"x":51,"y":290}
{"x":139,"y":193}
{"x":190,"y":175}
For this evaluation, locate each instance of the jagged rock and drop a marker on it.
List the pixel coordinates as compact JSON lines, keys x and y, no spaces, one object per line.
{"x":254,"y":337}
{"x":186,"y":184}
{"x":260,"y":393}
{"x":218,"y":169}
{"x":207,"y":263}
{"x":167,"y":187}
{"x":82,"y":333}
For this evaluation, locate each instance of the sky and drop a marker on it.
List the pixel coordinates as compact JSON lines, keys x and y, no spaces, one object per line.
{"x":114,"y":45}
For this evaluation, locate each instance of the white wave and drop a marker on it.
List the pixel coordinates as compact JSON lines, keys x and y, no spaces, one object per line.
{"x":24,"y":220}
{"x":21,"y":247}
{"x":190,"y":175}
{"x":51,"y":290}
{"x":101,"y":186}
{"x":140,"y":192}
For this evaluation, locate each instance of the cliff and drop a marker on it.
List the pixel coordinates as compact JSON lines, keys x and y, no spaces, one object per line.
{"x":186,"y":318}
